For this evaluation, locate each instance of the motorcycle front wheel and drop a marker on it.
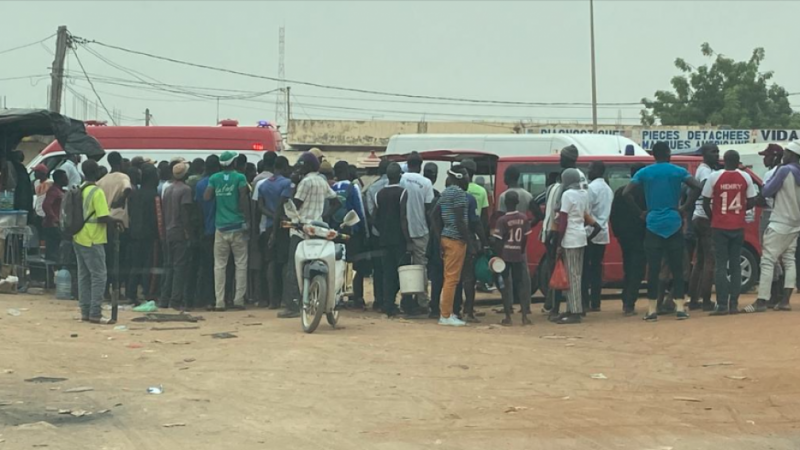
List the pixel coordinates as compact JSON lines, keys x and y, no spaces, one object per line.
{"x":315,"y":308}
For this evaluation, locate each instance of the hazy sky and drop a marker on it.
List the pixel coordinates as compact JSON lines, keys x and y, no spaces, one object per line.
{"x":534,"y":51}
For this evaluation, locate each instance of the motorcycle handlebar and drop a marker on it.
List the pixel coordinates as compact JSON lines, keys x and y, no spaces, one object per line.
{"x":299,"y":227}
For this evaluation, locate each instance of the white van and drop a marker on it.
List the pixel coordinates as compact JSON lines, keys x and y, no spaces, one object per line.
{"x":514,"y":144}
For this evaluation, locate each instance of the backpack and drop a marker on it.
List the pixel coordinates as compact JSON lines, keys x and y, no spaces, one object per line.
{"x":74,"y":213}
{"x":338,"y":216}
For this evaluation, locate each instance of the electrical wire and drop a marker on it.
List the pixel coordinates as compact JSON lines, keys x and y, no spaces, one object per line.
{"x":85,"y":42}
{"x":24,"y":77}
{"x":75,"y":52}
{"x":9,"y":50}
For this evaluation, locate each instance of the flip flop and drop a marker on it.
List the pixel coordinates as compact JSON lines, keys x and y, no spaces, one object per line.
{"x":752,"y":308}
{"x":783,"y":308}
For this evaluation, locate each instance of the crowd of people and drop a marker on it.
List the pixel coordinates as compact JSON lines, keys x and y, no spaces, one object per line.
{"x":207,"y":233}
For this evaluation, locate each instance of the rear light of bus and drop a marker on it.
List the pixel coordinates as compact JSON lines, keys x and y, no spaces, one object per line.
{"x":258,"y":146}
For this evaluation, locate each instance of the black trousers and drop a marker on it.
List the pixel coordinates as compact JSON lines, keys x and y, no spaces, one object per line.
{"x":554,"y":297}
{"x":52,"y":243}
{"x":291,"y":290}
{"x":141,"y":263}
{"x":727,"y":256}
{"x":465,"y":291}
{"x":592,"y":277}
{"x":392,"y":257}
{"x":175,"y":279}
{"x":517,"y":286}
{"x":376,"y":253}
{"x":204,"y":290}
{"x":436,"y":277}
{"x":192,"y":273}
{"x":657,"y":249}
{"x":633,"y":266}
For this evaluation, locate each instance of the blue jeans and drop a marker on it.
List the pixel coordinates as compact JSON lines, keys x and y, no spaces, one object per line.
{"x":728,"y":253}
{"x":92,"y":278}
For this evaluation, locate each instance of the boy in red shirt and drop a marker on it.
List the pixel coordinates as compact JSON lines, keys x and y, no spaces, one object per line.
{"x":510,"y":235}
{"x":727,"y":195}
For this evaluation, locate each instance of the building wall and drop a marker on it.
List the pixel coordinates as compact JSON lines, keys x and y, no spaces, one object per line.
{"x":376,"y":134}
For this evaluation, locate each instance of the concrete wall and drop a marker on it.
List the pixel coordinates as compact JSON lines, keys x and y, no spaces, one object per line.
{"x":350,"y":134}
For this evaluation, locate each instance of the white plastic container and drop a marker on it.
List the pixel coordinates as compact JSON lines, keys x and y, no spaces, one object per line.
{"x":412,"y":279}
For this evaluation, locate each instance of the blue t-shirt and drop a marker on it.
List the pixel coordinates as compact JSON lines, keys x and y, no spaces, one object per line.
{"x":353,"y":201}
{"x":270,"y":193}
{"x":662,"y":191}
{"x":209,"y":207}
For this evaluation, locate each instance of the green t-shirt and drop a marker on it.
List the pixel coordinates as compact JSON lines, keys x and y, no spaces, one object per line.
{"x":226,"y":187}
{"x":480,"y":195}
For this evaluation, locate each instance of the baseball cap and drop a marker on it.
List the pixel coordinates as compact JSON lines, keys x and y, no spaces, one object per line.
{"x":227,"y":158}
{"x":793,"y":147}
{"x":41,"y":168}
{"x":772,"y":149}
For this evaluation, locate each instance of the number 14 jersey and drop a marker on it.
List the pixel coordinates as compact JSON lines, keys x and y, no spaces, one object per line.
{"x":729,"y":191}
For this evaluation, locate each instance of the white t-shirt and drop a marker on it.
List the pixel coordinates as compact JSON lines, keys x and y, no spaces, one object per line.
{"x":552,"y":203}
{"x":600,"y":199}
{"x":73,"y":174}
{"x":419,"y":191}
{"x":702,"y":174}
{"x":575,"y":203}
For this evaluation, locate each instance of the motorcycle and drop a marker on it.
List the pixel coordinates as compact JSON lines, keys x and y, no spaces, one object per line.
{"x":320,"y":265}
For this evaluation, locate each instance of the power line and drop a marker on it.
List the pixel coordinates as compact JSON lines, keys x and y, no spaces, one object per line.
{"x":26,"y":45}
{"x":419,"y":113}
{"x":74,"y":52}
{"x":326,"y":86}
{"x":22,"y":77}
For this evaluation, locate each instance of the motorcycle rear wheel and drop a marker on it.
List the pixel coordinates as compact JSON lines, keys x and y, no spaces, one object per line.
{"x":333,"y":318}
{"x":317,"y":297}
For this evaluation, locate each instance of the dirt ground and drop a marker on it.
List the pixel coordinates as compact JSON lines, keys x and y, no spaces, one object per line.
{"x":707,"y":383}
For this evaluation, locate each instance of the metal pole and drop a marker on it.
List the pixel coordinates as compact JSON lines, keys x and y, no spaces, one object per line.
{"x":147,"y":117}
{"x":594,"y":79}
{"x":115,"y":286}
{"x":288,"y":110}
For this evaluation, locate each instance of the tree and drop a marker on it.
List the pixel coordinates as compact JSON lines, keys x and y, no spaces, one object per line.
{"x":728,"y":93}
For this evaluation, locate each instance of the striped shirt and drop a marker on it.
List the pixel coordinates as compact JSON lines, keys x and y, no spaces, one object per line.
{"x":313,"y":191}
{"x":453,"y":197}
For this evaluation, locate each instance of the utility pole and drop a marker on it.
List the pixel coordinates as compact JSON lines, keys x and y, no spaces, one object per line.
{"x":281,"y":97}
{"x":57,"y":71}
{"x":288,"y":109}
{"x":594,"y":79}
{"x":147,"y":117}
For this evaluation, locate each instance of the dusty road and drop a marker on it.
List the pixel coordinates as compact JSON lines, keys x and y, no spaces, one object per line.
{"x":395,"y":384}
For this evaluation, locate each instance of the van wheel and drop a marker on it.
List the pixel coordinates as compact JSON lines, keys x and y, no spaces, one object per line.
{"x":750,"y":269}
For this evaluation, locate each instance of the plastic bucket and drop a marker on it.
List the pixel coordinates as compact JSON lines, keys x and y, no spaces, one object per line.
{"x":412,"y":279}
{"x":497,"y":265}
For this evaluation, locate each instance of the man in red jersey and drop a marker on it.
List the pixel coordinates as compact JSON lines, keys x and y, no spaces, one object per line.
{"x":727,"y":195}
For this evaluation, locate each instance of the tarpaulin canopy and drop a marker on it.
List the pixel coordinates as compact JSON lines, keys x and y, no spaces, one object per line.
{"x":15,"y":124}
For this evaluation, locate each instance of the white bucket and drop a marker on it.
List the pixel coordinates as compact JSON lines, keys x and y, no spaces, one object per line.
{"x":412,"y":280}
